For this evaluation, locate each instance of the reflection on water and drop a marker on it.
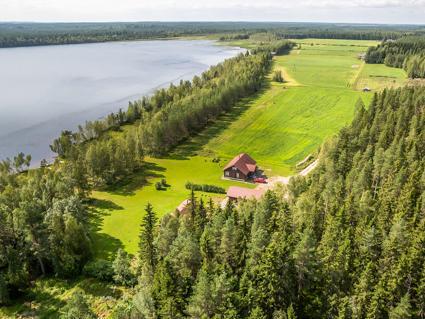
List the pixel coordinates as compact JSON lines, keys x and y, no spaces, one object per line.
{"x":44,"y":90}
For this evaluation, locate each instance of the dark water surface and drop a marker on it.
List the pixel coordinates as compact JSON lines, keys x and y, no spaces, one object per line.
{"x":44,"y":90}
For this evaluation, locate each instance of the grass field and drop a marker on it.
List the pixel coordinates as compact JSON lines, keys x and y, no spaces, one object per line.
{"x":278,"y":127}
{"x":118,"y":213}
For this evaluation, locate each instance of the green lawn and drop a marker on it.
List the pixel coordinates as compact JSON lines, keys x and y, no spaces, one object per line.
{"x":379,"y":76}
{"x":278,"y":127}
{"x":118,"y":213}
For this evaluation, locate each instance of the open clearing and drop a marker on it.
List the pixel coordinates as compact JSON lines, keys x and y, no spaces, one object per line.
{"x":278,"y":128}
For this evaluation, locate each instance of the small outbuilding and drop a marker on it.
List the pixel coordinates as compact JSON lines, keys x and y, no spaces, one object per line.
{"x":235,"y":193}
{"x":183,"y":208}
{"x":242,"y":167}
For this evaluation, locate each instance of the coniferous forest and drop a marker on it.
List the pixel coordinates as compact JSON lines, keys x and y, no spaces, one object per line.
{"x":33,"y":34}
{"x":346,"y":242}
{"x":406,"y":52}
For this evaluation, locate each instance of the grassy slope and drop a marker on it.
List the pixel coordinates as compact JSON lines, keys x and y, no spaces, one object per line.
{"x":291,"y":120}
{"x":278,"y":127}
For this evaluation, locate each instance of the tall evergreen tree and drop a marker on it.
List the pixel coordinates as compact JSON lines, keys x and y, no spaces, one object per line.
{"x":147,"y":247}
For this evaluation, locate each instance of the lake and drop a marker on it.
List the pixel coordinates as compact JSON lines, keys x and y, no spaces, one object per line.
{"x":47,"y":89}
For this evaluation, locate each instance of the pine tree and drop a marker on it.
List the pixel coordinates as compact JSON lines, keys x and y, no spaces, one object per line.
{"x":290,"y":313}
{"x":402,"y":310}
{"x":147,"y":249}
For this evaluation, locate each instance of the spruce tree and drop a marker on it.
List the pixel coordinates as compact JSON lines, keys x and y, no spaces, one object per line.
{"x":147,"y":249}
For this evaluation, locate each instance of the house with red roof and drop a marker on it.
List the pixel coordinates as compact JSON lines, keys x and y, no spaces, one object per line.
{"x":241,"y":167}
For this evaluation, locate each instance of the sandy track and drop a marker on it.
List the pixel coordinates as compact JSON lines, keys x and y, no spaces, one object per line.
{"x":272,"y":181}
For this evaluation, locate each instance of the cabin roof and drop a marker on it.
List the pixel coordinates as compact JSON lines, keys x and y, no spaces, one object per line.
{"x":183,"y":205}
{"x":243,"y":162}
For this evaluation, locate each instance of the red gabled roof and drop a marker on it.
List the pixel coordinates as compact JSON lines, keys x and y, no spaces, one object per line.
{"x":244,"y":163}
{"x":242,"y":192}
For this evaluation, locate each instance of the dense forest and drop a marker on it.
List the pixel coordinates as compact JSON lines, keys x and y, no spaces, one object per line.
{"x":346,"y":242}
{"x":43,"y":212}
{"x":407,"y":53}
{"x":31,"y":34}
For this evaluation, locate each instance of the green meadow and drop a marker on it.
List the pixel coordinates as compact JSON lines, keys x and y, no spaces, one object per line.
{"x":279,"y":127}
{"x":117,"y":213}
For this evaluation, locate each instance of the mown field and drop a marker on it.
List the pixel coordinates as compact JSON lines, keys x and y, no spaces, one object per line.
{"x":278,"y":127}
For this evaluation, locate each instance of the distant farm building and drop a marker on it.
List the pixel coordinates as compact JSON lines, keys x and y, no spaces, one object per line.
{"x":184,"y":206}
{"x":242,"y":167}
{"x":235,"y":193}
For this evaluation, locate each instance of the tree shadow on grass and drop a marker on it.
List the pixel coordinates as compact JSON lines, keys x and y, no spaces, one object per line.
{"x":105,"y":245}
{"x":193,"y":145}
{"x":104,"y":204}
{"x":98,"y":288}
{"x":38,"y":304}
{"x":139,"y":179}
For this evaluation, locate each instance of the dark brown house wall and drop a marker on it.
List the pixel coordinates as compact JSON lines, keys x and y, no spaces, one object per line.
{"x":231,"y":173}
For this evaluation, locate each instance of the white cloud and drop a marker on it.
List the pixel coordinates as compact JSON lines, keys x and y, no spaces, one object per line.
{"x":397,"y":11}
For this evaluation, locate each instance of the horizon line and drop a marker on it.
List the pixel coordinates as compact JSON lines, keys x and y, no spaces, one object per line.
{"x":210,"y":21}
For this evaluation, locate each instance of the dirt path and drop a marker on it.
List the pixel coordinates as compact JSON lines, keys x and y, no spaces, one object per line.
{"x":272,"y":181}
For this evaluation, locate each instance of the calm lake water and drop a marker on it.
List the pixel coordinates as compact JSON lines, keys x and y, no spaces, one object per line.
{"x":44,"y":90}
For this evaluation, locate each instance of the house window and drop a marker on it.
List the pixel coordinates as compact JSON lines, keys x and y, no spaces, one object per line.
{"x":227,"y":173}
{"x":237,"y":175}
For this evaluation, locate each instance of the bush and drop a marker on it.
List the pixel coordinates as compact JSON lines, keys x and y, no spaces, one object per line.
{"x":277,"y":76}
{"x":205,"y":188}
{"x":100,"y":269}
{"x":78,"y":308}
{"x":164,"y":182}
{"x":4,"y":294}
{"x":158,"y":186}
{"x":123,"y":274}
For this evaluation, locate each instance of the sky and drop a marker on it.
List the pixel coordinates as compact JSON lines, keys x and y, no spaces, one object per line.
{"x":349,"y":11}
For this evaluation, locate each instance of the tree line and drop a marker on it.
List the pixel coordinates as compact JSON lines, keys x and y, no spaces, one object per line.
{"x":43,"y":228}
{"x":407,"y":53}
{"x":33,"y":34}
{"x":348,"y":241}
{"x":100,"y":156}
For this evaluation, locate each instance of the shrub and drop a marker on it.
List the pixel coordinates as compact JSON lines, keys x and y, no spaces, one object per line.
{"x":164,"y":182}
{"x":277,"y":76}
{"x":158,"y":186}
{"x":77,"y":307}
{"x":100,"y":269}
{"x":123,"y":274}
{"x":4,"y":294}
{"x":205,"y":188}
